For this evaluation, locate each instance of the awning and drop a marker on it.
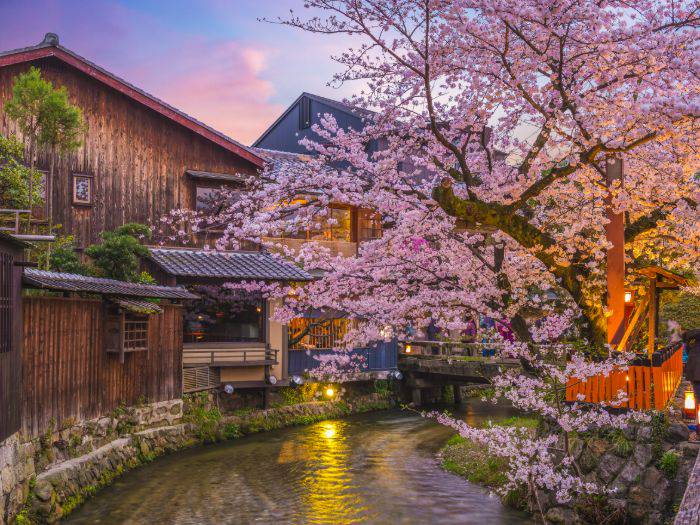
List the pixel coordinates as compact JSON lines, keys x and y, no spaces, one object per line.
{"x":137,"y":306}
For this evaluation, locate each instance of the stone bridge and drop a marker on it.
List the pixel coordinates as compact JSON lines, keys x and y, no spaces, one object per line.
{"x":426,"y":375}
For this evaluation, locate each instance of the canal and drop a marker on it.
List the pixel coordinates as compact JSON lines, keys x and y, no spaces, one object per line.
{"x":373,"y":468}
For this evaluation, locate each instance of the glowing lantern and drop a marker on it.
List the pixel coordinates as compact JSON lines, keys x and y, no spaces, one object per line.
{"x":407,"y":349}
{"x":330,"y":392}
{"x":689,"y":403}
{"x":628,"y":297}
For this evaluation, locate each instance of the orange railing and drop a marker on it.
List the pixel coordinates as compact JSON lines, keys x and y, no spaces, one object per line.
{"x":646,"y":383}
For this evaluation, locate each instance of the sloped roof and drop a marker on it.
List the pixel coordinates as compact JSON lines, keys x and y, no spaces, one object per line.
{"x":50,"y":47}
{"x":73,"y":282}
{"x":227,"y":265}
{"x":14,"y":241}
{"x":340,"y":106}
{"x":216,"y":177}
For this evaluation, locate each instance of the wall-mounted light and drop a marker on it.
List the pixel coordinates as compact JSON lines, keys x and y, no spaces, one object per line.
{"x":329,"y":391}
{"x":407,"y":349}
{"x":297,"y":380}
{"x":272,"y":379}
{"x":396,"y":374}
{"x":628,"y":297}
{"x":228,"y":388}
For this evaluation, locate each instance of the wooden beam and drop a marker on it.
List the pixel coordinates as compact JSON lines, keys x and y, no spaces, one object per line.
{"x":615,"y":234}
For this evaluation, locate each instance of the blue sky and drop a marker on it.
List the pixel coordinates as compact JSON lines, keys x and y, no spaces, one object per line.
{"x":211,"y":58}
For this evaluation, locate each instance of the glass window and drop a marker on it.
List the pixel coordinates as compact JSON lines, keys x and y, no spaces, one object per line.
{"x":370,"y":225}
{"x":224,"y":316}
{"x":336,"y":226}
{"x":320,"y":333}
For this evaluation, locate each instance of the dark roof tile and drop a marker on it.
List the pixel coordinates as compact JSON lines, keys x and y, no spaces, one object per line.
{"x":73,"y":282}
{"x":227,"y":265}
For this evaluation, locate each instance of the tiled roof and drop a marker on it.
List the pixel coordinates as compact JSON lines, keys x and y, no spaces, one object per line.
{"x":227,"y":265}
{"x":217,"y":177}
{"x":138,"y":306}
{"x":73,"y":282}
{"x":14,"y":241}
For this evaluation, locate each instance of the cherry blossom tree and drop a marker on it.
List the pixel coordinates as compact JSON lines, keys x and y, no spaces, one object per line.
{"x":496,"y":121}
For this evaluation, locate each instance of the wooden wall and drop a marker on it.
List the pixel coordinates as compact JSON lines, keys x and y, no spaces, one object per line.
{"x":10,"y":361}
{"x":137,"y":157}
{"x":68,"y":374}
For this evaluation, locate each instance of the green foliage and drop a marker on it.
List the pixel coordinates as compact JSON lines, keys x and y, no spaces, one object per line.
{"x":14,"y":176}
{"x":28,"y":102}
{"x":205,"y":419}
{"x":294,"y":395}
{"x":62,"y":257}
{"x":61,"y":123}
{"x":232,"y":431}
{"x":659,"y":430}
{"x":668,"y":464}
{"x":382,"y":387}
{"x":623,"y":446}
{"x":117,"y":256}
{"x":684,"y":308}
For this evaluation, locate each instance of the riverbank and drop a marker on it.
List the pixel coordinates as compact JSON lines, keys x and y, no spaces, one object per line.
{"x":56,"y":492}
{"x":647,"y":467}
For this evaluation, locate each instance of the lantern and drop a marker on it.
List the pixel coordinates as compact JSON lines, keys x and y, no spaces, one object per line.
{"x":330,"y":391}
{"x":689,"y":404}
{"x":407,"y":349}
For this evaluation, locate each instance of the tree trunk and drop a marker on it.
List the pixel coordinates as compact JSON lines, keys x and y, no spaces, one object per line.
{"x":49,"y":202}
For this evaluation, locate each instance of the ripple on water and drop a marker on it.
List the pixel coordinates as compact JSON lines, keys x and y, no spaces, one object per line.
{"x":376,"y":468}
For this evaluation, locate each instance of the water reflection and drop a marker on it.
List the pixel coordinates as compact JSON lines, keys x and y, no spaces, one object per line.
{"x":377,"y":468}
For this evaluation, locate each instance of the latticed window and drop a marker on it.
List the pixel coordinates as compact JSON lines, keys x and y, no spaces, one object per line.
{"x":135,"y":332}
{"x":6,"y":295}
{"x":321,"y":333}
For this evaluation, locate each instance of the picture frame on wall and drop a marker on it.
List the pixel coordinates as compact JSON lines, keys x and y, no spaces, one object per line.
{"x":82,"y":189}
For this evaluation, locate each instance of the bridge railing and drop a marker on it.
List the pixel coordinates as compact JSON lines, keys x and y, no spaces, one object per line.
{"x":647,"y":383}
{"x":383,"y":356}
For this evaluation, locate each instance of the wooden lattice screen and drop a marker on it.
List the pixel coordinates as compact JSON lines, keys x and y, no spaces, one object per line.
{"x":323,"y":333}
{"x":135,"y":332}
{"x":6,"y":296}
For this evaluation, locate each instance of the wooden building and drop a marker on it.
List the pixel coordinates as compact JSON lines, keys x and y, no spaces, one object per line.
{"x":229,"y":337}
{"x":140,"y":157}
{"x":93,"y":344}
{"x":11,"y":257}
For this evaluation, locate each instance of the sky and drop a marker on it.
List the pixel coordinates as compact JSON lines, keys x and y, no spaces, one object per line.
{"x":212,"y":59}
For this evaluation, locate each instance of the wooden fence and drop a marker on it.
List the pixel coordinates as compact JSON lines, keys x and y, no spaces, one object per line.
{"x":647,"y":383}
{"x":67,"y":372}
{"x":10,"y":350}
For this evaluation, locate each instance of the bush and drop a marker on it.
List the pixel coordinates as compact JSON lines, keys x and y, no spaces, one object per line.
{"x":118,"y":255}
{"x":668,"y":464}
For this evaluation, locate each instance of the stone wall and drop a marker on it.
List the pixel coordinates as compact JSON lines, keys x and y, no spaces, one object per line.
{"x":646,"y":468}
{"x":23,"y":458}
{"x":136,"y":436}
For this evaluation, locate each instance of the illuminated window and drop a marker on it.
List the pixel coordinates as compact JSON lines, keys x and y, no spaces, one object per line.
{"x":322,"y":333}
{"x":369,"y":225}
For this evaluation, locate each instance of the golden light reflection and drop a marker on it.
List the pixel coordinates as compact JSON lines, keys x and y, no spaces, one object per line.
{"x":327,"y":482}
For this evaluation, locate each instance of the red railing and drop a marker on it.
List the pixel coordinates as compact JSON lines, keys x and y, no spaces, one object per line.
{"x":647,"y":383}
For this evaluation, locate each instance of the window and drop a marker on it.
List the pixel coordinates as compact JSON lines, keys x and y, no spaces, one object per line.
{"x":322,"y":333}
{"x":82,"y":190}
{"x":369,"y":225}
{"x":224,"y":316}
{"x":6,"y":296}
{"x":126,"y":332}
{"x":211,"y":199}
{"x":304,"y":113}
{"x":336,"y":226}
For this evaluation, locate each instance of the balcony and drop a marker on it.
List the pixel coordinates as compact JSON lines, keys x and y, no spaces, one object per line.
{"x":228,"y":354}
{"x":344,"y":248}
{"x":382,"y":357}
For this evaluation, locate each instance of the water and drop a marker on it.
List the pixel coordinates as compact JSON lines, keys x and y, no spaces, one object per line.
{"x":374,"y":468}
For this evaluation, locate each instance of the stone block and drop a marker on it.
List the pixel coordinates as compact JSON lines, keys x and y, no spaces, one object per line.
{"x":630,"y":473}
{"x":609,"y":466}
{"x":643,"y":454}
{"x":561,"y":515}
{"x":677,"y":433}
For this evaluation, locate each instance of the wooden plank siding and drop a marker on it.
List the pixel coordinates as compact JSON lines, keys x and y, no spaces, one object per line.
{"x":136,"y":156}
{"x":67,"y":372}
{"x":10,"y":357}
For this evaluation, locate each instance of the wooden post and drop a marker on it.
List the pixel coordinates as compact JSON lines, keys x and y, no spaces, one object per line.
{"x":457,"y":394}
{"x":653,"y":314}
{"x":615,"y":234}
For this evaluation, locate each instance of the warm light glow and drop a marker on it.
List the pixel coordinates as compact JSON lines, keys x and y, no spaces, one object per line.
{"x":628,"y":297}
{"x":329,"y":430}
{"x":330,"y":392}
{"x":689,"y":402}
{"x":627,"y":378}
{"x":408,"y":349}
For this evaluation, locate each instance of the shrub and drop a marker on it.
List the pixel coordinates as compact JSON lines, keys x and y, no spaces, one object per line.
{"x":668,"y":464}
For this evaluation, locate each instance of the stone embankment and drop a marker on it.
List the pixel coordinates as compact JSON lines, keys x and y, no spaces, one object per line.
{"x":42,"y":481}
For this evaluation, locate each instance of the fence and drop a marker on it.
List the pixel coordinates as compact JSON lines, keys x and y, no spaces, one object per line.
{"x":647,"y":383}
{"x":68,"y":373}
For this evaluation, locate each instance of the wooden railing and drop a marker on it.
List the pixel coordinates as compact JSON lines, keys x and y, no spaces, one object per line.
{"x":646,"y":383}
{"x":11,"y":217}
{"x":222,"y":356}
